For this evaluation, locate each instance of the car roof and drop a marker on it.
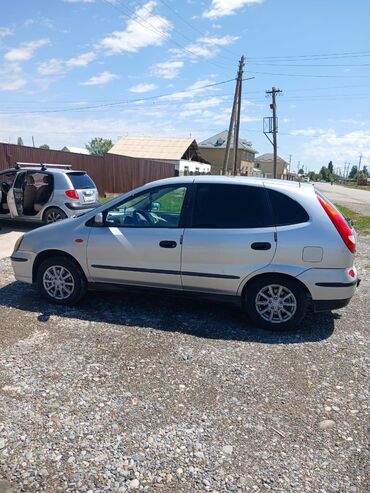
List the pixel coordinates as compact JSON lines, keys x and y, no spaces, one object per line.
{"x":239,"y":180}
{"x":40,"y":170}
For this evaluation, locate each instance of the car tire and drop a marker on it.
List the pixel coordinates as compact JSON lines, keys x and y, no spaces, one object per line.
{"x":61,"y":280}
{"x":275,"y":302}
{"x":53,"y":214}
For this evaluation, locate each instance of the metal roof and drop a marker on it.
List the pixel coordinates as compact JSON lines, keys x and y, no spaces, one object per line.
{"x":269,"y":157}
{"x":219,"y":140}
{"x":77,"y":150}
{"x":152,"y":147}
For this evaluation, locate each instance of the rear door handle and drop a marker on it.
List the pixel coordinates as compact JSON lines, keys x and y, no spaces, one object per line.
{"x":167,"y":244}
{"x":261,"y":246}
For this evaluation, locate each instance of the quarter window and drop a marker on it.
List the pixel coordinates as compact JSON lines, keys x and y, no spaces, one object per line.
{"x":286,"y":210}
{"x":231,"y":207}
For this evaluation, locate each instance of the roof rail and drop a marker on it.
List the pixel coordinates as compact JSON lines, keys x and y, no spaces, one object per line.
{"x":43,"y":166}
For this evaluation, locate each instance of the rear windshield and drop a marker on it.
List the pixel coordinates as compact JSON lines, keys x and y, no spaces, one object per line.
{"x":81,"y":181}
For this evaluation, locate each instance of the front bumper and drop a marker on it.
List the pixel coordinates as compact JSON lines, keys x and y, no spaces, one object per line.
{"x":22,"y":263}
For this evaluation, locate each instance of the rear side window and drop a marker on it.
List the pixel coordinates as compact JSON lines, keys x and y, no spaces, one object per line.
{"x":286,"y":210}
{"x":81,"y":181}
{"x":230,"y":206}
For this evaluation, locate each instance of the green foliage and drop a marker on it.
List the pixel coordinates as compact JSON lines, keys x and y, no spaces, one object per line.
{"x":330,"y":167}
{"x":44,"y":146}
{"x":20,"y":141}
{"x":325,"y":174}
{"x":361,"y":223}
{"x":353,"y":173}
{"x":99,"y":146}
{"x":365,"y":171}
{"x":301,"y":171}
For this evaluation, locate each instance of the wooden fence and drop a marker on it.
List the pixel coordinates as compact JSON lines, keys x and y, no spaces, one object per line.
{"x":111,"y":173}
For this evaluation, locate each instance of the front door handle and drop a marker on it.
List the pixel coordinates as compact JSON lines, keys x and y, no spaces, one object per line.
{"x":168,"y":244}
{"x":261,"y":246}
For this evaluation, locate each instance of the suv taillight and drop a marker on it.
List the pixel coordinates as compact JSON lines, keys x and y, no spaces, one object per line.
{"x":339,"y":222}
{"x":72,"y":194}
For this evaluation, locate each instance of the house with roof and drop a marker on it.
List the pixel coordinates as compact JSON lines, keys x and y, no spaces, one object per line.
{"x":213,"y":150}
{"x":265,"y":163}
{"x":182,"y":153}
{"x":77,"y":150}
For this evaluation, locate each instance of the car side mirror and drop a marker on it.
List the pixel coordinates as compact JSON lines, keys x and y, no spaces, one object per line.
{"x":99,"y":219}
{"x":156,"y":206}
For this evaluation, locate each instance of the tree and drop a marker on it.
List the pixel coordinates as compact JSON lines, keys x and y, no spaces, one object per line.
{"x":44,"y":146}
{"x":324,"y":173}
{"x":365,"y":171}
{"x":312,"y":176}
{"x":20,"y":141}
{"x":330,"y":167}
{"x":301,"y":171}
{"x":353,"y":173}
{"x":99,"y":146}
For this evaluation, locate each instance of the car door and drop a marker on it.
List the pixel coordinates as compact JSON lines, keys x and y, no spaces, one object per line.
{"x":230,"y":235}
{"x":15,"y":196}
{"x":140,"y":240}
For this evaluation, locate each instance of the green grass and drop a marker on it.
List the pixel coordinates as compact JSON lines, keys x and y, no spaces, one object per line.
{"x":107,"y":198}
{"x":361,"y":223}
{"x":358,"y":187}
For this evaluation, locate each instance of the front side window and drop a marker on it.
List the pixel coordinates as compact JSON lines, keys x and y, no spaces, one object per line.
{"x":7,"y":180}
{"x":224,"y":206}
{"x":156,"y":208}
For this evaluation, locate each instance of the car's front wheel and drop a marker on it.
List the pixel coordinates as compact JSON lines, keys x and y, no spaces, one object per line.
{"x":275,"y":302}
{"x":61,"y":281}
{"x":53,"y":215}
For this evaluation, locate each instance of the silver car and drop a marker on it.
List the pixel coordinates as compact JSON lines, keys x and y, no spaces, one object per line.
{"x":45,"y":193}
{"x":270,"y":245}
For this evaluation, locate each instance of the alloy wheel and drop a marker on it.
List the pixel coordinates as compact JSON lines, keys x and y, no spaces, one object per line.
{"x":275,"y":303}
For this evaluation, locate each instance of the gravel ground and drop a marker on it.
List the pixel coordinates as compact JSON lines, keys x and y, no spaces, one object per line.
{"x":134,"y":392}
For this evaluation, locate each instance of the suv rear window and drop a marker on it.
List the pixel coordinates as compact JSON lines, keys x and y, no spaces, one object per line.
{"x":286,"y":210}
{"x":231,"y":206}
{"x":81,"y":181}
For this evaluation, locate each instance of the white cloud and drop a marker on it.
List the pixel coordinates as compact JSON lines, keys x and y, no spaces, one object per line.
{"x":5,"y":31}
{"x":310,"y":132}
{"x":167,"y":70}
{"x":199,"y":107}
{"x":99,"y":79}
{"x":199,"y":87}
{"x":221,"y":8}
{"x":56,"y":66}
{"x":326,"y":145}
{"x":141,"y":88}
{"x":11,"y":77}
{"x":25,"y":51}
{"x":144,"y":29}
{"x":207,"y":47}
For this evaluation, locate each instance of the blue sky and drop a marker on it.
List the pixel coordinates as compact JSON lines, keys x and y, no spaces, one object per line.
{"x":75,"y":69}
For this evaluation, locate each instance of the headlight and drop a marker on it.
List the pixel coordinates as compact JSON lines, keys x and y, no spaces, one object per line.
{"x":18,"y":243}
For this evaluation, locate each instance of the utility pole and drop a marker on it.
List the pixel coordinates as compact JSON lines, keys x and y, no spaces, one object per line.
{"x":234,"y":122}
{"x":273,"y":126}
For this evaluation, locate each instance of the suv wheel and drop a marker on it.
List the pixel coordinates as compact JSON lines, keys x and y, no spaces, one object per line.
{"x":275,"y":302}
{"x":61,"y":281}
{"x":53,"y":215}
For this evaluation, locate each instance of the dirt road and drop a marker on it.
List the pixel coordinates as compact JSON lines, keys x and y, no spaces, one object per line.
{"x":357,"y":200}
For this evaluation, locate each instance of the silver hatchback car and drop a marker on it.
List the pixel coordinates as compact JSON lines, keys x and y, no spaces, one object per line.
{"x":45,"y":193}
{"x":271,"y":245}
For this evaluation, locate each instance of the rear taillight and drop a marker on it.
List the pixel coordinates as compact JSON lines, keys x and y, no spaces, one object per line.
{"x":72,"y":194}
{"x":339,"y":222}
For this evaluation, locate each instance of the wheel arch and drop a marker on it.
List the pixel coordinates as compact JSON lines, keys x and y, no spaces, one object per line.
{"x":52,"y":206}
{"x":276,"y":276}
{"x":51,"y":253}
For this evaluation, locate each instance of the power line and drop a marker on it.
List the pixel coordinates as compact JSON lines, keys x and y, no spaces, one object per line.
{"x":123,"y":102}
{"x":352,"y":54}
{"x":312,"y":75}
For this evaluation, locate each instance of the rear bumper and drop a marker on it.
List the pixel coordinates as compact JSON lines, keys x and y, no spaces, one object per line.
{"x":82,"y":207}
{"x":328,"y":305}
{"x":330,"y":289}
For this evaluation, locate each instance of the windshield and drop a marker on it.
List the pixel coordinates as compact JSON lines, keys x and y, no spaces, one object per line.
{"x":81,"y":181}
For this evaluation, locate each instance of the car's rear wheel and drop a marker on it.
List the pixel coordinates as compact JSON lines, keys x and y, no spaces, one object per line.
{"x":53,"y":215}
{"x":275,"y":302}
{"x":61,"y":281}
